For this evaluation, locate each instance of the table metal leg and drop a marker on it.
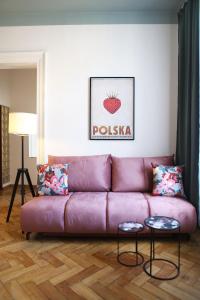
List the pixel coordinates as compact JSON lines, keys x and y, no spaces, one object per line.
{"x":136,"y":248}
{"x":153,"y":245}
{"x":151,"y":249}
{"x":139,"y":259}
{"x":118,"y":244}
{"x":149,"y":263}
{"x":179,"y":250}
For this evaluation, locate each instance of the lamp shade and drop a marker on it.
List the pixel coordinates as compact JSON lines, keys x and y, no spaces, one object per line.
{"x":22,"y":123}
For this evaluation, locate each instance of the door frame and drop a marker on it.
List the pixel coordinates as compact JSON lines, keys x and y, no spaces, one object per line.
{"x":20,"y":60}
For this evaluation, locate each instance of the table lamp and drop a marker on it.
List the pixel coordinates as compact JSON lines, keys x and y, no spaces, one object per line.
{"x":22,"y":124}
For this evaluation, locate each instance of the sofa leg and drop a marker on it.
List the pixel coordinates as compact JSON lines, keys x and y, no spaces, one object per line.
{"x":28,"y":235}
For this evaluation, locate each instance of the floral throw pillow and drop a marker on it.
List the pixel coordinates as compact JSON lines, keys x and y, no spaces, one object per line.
{"x":52,"y":179}
{"x":168,"y":181}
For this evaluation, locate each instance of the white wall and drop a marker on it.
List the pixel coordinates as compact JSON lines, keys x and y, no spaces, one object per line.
{"x":74,"y":53}
{"x":4,"y":88}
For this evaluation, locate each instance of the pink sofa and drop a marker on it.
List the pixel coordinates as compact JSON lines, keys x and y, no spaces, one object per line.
{"x":104,"y":191}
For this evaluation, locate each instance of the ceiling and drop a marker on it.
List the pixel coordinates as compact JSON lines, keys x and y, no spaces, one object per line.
{"x":45,"y":6}
{"x":63,"y":12}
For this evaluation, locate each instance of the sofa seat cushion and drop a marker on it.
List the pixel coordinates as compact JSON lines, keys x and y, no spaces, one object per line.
{"x":44,"y":214}
{"x":125,"y":207}
{"x":86,"y":213}
{"x":174,"y":207}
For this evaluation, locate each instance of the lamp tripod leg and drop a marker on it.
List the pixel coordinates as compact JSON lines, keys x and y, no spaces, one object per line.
{"x":22,"y":188}
{"x":22,"y":172}
{"x":13,"y":195}
{"x":29,"y":182}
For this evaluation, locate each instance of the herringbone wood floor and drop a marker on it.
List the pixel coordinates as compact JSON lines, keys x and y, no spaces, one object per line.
{"x":82,"y":268}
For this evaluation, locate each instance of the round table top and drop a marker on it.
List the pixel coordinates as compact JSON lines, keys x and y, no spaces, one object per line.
{"x":130,"y":226}
{"x":162,"y":223}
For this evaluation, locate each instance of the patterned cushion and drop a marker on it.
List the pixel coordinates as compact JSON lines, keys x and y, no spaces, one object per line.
{"x":52,"y":179}
{"x":167,"y":181}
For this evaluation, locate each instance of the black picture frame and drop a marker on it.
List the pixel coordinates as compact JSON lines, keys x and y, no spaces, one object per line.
{"x":116,"y":138}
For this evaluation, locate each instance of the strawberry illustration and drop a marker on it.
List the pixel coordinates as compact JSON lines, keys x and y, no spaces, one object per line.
{"x":112,"y":104}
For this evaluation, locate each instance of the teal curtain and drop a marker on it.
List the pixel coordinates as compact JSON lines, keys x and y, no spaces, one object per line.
{"x":187,"y":150}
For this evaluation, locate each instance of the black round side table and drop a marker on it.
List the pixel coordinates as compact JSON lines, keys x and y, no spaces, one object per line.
{"x":161,"y":223}
{"x":130,"y":227}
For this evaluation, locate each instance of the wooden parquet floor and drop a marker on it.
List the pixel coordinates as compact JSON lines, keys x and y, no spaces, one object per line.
{"x":59,"y":268}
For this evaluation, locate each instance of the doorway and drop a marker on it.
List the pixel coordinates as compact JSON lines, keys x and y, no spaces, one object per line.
{"x":17,"y":94}
{"x":27,"y":73}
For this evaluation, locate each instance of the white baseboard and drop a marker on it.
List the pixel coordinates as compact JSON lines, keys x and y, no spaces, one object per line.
{"x":6,"y":184}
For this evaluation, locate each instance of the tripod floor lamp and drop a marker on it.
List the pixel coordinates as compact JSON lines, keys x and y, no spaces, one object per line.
{"x":22,"y":124}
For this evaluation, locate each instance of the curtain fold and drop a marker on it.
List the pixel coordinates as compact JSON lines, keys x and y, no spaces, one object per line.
{"x":187,"y":148}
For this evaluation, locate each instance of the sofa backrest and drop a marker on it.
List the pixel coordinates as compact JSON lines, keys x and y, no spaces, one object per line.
{"x":86,"y":173}
{"x":130,"y":174}
{"x":93,"y":173}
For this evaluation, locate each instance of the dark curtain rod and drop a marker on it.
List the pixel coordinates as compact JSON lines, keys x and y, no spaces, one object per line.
{"x":182,"y":4}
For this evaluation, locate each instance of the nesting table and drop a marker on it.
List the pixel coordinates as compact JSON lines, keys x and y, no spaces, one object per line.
{"x":161,"y":223}
{"x":130,"y":227}
{"x":155,"y":224}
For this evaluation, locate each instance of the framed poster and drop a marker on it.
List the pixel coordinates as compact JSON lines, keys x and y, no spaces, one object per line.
{"x":112,"y":108}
